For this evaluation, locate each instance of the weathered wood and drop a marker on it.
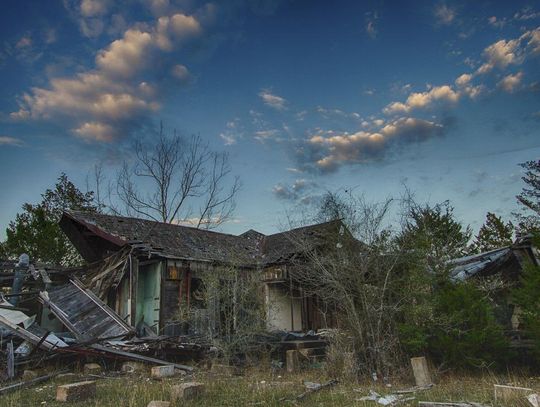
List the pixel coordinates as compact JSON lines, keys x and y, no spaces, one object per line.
{"x":84,"y":314}
{"x":502,"y":392}
{"x":292,"y":360}
{"x":421,"y":371}
{"x":27,"y":383}
{"x":134,"y":356}
{"x":134,"y":280}
{"x":449,"y":404}
{"x":10,"y":360}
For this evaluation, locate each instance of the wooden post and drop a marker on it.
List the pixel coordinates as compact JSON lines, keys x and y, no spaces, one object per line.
{"x":134,"y":275}
{"x":421,"y":371}
{"x":292,"y":360}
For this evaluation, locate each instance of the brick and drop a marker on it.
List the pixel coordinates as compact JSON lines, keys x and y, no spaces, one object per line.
{"x":421,"y":371}
{"x":162,"y":371}
{"x":186,"y":391}
{"x":159,"y":403}
{"x":134,"y":367}
{"x":76,"y":391}
{"x":92,"y":368}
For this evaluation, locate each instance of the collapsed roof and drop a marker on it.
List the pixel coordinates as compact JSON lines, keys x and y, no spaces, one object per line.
{"x":509,"y":260}
{"x":97,"y":235}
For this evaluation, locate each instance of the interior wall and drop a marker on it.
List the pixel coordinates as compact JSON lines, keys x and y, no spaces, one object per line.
{"x":278,"y":309}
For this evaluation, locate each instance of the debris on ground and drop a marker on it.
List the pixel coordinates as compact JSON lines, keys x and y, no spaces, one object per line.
{"x":450,"y":404}
{"x":389,"y":400}
{"x":311,"y":388}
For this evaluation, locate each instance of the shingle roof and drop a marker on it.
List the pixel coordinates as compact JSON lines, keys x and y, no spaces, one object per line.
{"x":186,"y":242}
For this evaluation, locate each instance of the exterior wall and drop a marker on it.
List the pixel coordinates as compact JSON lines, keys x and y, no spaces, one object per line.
{"x":282,"y":311}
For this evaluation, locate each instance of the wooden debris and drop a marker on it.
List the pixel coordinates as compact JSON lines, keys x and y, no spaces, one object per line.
{"x":76,"y":391}
{"x":534,"y":399}
{"x":421,"y":371}
{"x":312,"y":390}
{"x":450,"y":404}
{"x":28,"y":383}
{"x":292,"y":360}
{"x":502,"y":392}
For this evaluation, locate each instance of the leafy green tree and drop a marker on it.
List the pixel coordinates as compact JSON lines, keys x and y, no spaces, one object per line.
{"x":493,"y":234}
{"x":525,"y":297}
{"x":35,"y":231}
{"x":529,"y":198}
{"x":467,"y":334}
{"x":433,"y":233}
{"x":450,"y":320}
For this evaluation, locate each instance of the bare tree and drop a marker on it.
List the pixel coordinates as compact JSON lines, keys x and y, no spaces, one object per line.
{"x":357,"y":275}
{"x":177,"y":179}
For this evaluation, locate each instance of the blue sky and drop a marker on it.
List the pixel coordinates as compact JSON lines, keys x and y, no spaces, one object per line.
{"x":305,"y":96}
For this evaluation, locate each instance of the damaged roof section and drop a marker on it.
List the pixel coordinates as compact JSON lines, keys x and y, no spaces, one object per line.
{"x":84,"y":314}
{"x":96,"y":236}
{"x":509,"y":260}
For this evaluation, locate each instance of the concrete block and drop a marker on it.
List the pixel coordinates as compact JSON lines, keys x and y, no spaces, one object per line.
{"x":421,"y":371}
{"x":162,"y":371}
{"x":134,"y":367}
{"x":76,"y":391}
{"x":186,"y":391}
{"x":29,"y":374}
{"x":159,"y":403}
{"x":292,"y":361}
{"x":504,"y":393}
{"x":92,"y":368}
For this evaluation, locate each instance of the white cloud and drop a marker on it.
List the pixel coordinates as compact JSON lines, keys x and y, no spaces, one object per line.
{"x":299,"y":190}
{"x":511,"y":82}
{"x":327,"y":151}
{"x":497,"y":22}
{"x":24,"y":42}
{"x":264,"y":135}
{"x":444,"y":14}
{"x":370,"y":29}
{"x":93,"y":8}
{"x":504,"y":53}
{"x":272,"y":100}
{"x":109,"y":101}
{"x":500,"y":55}
{"x":10,"y":141}
{"x":419,"y":100}
{"x":181,"y":73}
{"x":228,"y":139}
{"x":463,"y":79}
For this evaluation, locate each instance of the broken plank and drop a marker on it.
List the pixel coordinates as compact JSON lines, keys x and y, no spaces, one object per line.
{"x":27,"y":383}
{"x":135,"y":356}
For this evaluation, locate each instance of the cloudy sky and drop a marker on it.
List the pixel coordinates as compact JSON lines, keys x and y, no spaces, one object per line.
{"x":305,"y":96}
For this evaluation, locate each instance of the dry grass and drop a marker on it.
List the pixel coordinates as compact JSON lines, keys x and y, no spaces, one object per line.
{"x":260,"y":388}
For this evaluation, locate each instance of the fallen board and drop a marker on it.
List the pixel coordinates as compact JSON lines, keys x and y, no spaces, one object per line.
{"x":18,"y":323}
{"x":83,"y":313}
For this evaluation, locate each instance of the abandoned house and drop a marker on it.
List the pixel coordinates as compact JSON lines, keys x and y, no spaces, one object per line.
{"x":498,"y":271}
{"x":147,"y":271}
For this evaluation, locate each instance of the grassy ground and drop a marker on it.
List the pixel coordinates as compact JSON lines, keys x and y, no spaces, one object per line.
{"x":260,"y":388}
